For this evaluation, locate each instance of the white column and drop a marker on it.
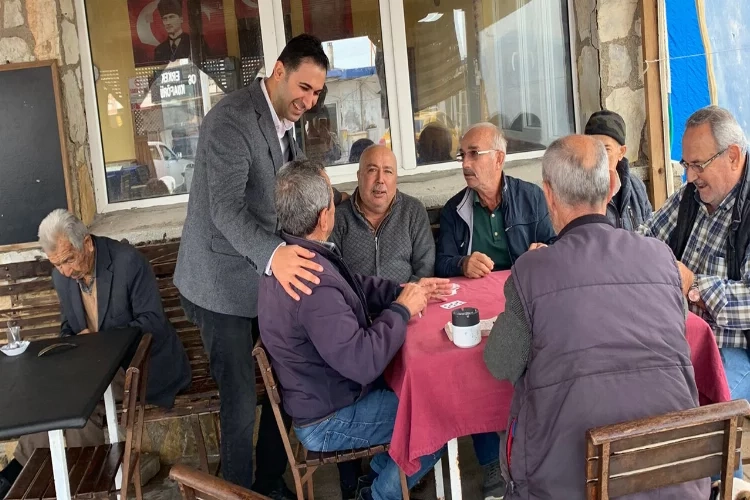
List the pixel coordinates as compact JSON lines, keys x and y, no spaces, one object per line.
{"x":439,"y":486}
{"x":111,"y":411}
{"x":455,"y":471}
{"x":59,"y":464}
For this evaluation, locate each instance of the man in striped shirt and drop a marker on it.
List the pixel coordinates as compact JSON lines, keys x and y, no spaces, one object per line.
{"x":707,"y":225}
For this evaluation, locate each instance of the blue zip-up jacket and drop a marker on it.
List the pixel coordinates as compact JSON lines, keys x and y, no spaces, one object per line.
{"x":526,"y":222}
{"x":630,"y":207}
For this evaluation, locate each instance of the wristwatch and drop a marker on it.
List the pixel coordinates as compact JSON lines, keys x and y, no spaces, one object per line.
{"x":694,"y":295}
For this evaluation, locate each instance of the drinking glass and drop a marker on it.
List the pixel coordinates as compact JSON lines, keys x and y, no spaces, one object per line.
{"x":14,"y":336}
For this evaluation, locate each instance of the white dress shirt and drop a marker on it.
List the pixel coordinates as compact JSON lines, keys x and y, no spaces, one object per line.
{"x":282,"y":127}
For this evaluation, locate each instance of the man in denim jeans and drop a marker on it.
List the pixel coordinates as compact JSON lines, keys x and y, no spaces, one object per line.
{"x":329,"y":348}
{"x":707,"y":225}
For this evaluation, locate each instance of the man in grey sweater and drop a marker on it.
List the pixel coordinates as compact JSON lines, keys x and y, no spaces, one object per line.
{"x":380,"y":231}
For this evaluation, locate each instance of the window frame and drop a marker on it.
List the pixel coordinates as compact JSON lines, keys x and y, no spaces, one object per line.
{"x":398,"y":87}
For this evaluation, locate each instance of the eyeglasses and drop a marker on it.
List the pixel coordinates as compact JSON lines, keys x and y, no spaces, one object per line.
{"x":700,"y":167}
{"x":472,"y":155}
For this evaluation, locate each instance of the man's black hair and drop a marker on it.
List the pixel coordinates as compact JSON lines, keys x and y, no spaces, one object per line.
{"x":303,"y":47}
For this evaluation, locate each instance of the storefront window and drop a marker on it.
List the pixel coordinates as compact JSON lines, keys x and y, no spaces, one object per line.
{"x":354,"y":111}
{"x":502,"y":61}
{"x":160,"y":65}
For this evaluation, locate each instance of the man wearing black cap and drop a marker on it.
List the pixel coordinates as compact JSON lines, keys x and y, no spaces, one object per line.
{"x":629,"y":207}
{"x":177,"y":44}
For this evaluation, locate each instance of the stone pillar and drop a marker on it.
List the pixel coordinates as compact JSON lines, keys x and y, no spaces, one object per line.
{"x":610,"y":65}
{"x":35,"y":30}
{"x":587,"y":57}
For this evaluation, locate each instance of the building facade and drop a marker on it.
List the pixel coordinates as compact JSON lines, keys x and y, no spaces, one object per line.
{"x":133,"y":101}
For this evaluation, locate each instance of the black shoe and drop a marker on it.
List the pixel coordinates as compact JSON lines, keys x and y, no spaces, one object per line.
{"x":4,"y":487}
{"x":714,"y":493}
{"x":364,"y":494}
{"x":278,"y":491}
{"x":350,"y":493}
{"x":494,"y":484}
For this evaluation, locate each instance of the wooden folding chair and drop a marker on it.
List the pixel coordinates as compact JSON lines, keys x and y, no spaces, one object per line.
{"x":93,"y":469}
{"x":197,"y":485}
{"x":677,"y":447}
{"x":303,"y":462}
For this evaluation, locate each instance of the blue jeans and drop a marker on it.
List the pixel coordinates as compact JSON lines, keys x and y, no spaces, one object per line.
{"x":486,"y":447}
{"x":737,"y":368}
{"x":368,"y":422}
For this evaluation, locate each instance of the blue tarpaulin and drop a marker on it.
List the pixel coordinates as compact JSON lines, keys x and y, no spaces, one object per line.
{"x":350,"y":73}
{"x":727,"y":39}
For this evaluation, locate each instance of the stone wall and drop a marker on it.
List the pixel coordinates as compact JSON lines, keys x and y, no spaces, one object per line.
{"x":36,"y":30}
{"x":610,"y":66}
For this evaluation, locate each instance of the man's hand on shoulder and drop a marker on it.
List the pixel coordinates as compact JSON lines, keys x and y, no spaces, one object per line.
{"x":536,"y":246}
{"x":477,"y":265}
{"x":290,"y":265}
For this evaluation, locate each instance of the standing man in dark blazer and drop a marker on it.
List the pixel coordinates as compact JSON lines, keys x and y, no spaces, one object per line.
{"x":230,"y":239}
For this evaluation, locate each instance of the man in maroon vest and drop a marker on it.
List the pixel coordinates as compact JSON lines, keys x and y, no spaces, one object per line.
{"x":608,"y":338}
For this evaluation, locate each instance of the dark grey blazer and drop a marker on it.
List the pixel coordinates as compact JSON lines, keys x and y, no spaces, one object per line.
{"x":128,"y":296}
{"x":231,"y":228}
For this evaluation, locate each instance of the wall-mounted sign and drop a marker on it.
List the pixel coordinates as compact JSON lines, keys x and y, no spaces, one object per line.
{"x":175,"y":83}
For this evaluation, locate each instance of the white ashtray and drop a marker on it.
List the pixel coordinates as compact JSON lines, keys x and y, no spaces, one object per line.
{"x":16,"y":351}
{"x":485,"y":326}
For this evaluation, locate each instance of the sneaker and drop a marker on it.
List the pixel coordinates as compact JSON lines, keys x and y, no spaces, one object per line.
{"x":364,"y":494}
{"x":494,"y":484}
{"x":4,"y":487}
{"x":350,"y":493}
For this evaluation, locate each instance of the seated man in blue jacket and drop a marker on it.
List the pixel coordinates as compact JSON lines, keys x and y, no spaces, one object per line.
{"x":485,"y":228}
{"x":329,"y":348}
{"x":496,"y":218}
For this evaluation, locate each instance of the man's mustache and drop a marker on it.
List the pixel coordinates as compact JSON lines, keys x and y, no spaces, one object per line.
{"x":468,"y":171}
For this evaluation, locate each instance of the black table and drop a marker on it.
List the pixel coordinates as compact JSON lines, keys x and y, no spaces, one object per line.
{"x":60,"y":390}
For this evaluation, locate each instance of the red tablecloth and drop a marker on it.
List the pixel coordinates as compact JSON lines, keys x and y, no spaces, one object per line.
{"x":709,"y":371}
{"x":447,"y":392}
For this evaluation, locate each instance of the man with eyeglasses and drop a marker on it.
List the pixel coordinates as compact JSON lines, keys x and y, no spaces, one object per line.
{"x":485,"y":228}
{"x":496,"y":218}
{"x":707,"y":225}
